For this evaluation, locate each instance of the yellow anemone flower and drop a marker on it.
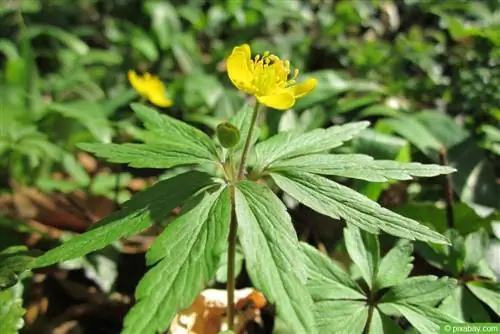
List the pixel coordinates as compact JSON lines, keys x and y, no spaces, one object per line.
{"x":266,"y":77}
{"x":150,"y":87}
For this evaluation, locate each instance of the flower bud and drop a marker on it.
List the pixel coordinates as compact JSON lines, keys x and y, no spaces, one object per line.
{"x":228,"y":134}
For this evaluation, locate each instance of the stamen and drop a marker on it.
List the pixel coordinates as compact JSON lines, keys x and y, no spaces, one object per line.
{"x":266,"y":54}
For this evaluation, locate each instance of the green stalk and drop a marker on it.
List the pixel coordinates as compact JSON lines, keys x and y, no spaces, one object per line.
{"x":233,"y":227}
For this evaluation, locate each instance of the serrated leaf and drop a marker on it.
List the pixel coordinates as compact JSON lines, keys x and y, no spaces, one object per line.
{"x":185,"y":256}
{"x":11,"y":310}
{"x":424,"y":318}
{"x":475,"y":246}
{"x":382,"y":324}
{"x":149,"y":155}
{"x":13,"y":261}
{"x":272,"y":255}
{"x":140,"y":212}
{"x":420,"y":290}
{"x":360,"y":166}
{"x":340,"y":316}
{"x":396,"y":265}
{"x":364,"y":250}
{"x":463,"y":305}
{"x":326,"y":280}
{"x":488,"y":293}
{"x":173,"y":130}
{"x":286,"y":145}
{"x":337,"y":201}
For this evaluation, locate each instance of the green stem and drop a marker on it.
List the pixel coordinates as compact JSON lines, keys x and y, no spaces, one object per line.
{"x":233,"y":227}
{"x":231,"y":254}
{"x":246,"y":147}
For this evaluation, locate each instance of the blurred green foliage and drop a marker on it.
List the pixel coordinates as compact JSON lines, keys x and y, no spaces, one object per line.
{"x":425,"y":73}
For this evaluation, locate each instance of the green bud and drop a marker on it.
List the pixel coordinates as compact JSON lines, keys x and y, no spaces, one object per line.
{"x":228,"y":134}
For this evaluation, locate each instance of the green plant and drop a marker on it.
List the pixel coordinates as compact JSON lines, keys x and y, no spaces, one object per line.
{"x":186,"y":254}
{"x":343,"y":305}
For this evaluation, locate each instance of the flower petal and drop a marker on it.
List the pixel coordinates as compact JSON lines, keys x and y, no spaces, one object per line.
{"x":238,"y":66}
{"x":137,"y":83}
{"x":305,"y":87}
{"x":281,"y":101}
{"x":244,"y":48}
{"x":159,"y":99}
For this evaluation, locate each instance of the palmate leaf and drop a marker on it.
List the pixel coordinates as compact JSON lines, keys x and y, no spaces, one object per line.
{"x":424,"y":318}
{"x":13,"y":261}
{"x":140,"y":212}
{"x":163,"y":155}
{"x":272,"y":255}
{"x":488,"y":293}
{"x":396,"y":265}
{"x":185,"y":257}
{"x":170,"y":129}
{"x":337,"y":201}
{"x":288,"y":145}
{"x":327,"y":281}
{"x":359,"y":166}
{"x":350,"y":316}
{"x":420,"y":290}
{"x":169,"y":143}
{"x":364,"y":250}
{"x":382,"y":324}
{"x":11,"y":310}
{"x":463,"y":305}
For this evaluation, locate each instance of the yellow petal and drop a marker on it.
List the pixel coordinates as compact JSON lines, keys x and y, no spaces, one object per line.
{"x":245,"y":49}
{"x":159,"y":99}
{"x":305,"y":87}
{"x":281,"y":101}
{"x":137,"y":83}
{"x":238,"y":66}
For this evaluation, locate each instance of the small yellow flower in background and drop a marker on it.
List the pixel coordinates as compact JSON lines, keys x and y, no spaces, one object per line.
{"x":150,"y":87}
{"x":266,"y":77}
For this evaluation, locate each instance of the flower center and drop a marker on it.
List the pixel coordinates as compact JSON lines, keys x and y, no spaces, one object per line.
{"x":270,"y":74}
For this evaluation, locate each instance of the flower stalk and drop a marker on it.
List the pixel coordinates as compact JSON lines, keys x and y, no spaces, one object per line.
{"x":233,"y":227}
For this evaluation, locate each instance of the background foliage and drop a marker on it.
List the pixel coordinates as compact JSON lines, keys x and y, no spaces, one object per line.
{"x":424,"y":73}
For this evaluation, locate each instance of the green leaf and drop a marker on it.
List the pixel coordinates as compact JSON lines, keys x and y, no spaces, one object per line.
{"x":475,"y":248}
{"x":149,"y":155}
{"x":396,"y":265}
{"x":71,"y":41}
{"x":382,"y":324}
{"x":420,"y":290}
{"x":463,"y":305}
{"x":272,"y":255}
{"x":164,"y":21}
{"x":326,"y":280}
{"x":416,"y":133}
{"x":360,"y":166}
{"x":340,"y":316}
{"x":11,"y":310}
{"x":364,"y":250}
{"x":337,"y":201}
{"x":185,"y":257}
{"x":89,"y":114}
{"x":488,"y":293}
{"x":13,"y":261}
{"x":424,"y":318}
{"x":173,"y":130}
{"x":286,"y":145}
{"x":140,"y":212}
{"x":475,"y":182}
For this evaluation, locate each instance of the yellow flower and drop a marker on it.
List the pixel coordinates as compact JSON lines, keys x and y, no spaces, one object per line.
{"x":266,"y":77}
{"x":150,"y":87}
